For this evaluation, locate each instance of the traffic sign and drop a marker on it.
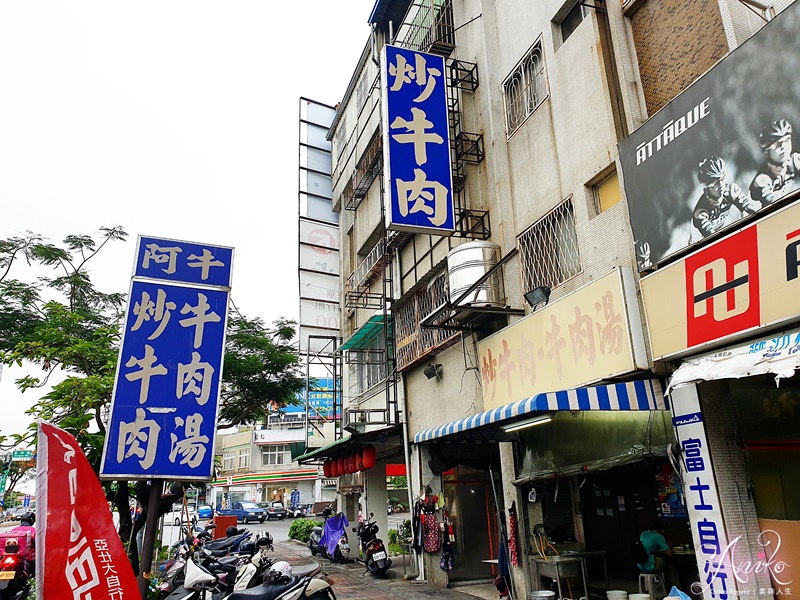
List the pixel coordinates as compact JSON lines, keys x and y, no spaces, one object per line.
{"x":21,"y":455}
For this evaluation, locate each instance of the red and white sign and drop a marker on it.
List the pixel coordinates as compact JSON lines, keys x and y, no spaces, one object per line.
{"x":79,"y":553}
{"x":727,"y":290}
{"x":722,"y":292}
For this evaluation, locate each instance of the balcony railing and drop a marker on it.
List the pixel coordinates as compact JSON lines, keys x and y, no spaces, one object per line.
{"x":357,"y":284}
{"x":428,"y":27}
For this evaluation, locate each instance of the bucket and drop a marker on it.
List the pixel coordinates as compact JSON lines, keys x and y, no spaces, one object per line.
{"x":617,"y":595}
{"x":638,"y":596}
{"x":542,"y":595}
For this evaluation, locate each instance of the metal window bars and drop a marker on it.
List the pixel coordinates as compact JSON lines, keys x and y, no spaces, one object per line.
{"x":549,"y":249}
{"x":525,"y":88}
{"x":428,"y":27}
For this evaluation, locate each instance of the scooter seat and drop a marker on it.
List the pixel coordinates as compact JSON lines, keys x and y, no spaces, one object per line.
{"x":228,"y":561}
{"x":306,"y":570}
{"x":266,"y":591}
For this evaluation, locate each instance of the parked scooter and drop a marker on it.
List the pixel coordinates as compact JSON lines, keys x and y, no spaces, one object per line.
{"x":376,"y":560}
{"x":284,"y":584}
{"x":331,"y":540}
{"x":17,"y":558}
{"x":201,"y":584}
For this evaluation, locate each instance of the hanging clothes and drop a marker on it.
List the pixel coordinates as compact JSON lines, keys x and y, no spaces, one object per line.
{"x":502,"y":559}
{"x":430,"y":527}
{"x":512,"y":534}
{"x":447,"y":562}
{"x":416,"y":527}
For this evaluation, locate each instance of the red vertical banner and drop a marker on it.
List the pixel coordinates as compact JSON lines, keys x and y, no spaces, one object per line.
{"x":78,"y":552}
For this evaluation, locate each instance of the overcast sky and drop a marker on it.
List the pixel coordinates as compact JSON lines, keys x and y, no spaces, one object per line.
{"x":172,"y":118}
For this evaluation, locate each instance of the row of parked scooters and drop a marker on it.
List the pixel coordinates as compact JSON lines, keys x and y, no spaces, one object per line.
{"x":330,"y":541}
{"x":236,"y":567}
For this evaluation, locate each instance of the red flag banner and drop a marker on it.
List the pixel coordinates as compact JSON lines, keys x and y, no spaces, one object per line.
{"x":79,"y":555}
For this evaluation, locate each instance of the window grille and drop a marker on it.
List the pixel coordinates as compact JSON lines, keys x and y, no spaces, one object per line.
{"x":413,"y":341}
{"x":341,"y":136}
{"x":362,"y":92}
{"x":525,"y":88}
{"x":549,"y":249}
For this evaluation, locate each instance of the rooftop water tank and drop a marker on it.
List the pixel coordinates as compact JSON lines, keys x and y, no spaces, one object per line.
{"x":469,"y":262}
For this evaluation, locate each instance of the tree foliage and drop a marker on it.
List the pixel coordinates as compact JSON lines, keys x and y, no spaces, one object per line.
{"x":16,"y":472}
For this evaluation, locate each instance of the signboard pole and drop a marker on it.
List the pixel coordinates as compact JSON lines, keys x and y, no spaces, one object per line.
{"x":149,"y":542}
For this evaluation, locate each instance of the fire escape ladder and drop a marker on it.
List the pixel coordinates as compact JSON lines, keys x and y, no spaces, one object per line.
{"x":465,"y":147}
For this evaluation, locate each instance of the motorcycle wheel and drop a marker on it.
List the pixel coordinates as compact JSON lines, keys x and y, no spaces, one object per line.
{"x":313,"y":549}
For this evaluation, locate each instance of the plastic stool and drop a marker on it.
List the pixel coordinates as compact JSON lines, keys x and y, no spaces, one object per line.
{"x":652,"y":583}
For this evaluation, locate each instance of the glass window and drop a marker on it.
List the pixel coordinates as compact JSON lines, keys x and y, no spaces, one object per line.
{"x":243,"y":458}
{"x":277,"y":454}
{"x":607,"y":192}
{"x":571,"y":21}
{"x":229,"y":460}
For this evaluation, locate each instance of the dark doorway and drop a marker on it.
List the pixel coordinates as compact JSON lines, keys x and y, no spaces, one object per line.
{"x":617,"y":506}
{"x":472,"y":510}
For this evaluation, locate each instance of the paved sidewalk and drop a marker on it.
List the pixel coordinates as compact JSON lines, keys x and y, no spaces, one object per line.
{"x":349,"y":584}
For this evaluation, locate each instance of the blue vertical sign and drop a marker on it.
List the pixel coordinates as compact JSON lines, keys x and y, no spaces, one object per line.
{"x":164,"y":408}
{"x":416,"y":142}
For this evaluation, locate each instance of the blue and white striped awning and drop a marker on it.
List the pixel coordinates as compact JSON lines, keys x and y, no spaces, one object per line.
{"x":645,"y":394}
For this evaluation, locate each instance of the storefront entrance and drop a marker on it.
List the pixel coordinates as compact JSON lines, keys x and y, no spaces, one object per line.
{"x":469,"y":501}
{"x":619,"y":504}
{"x":768,"y":425}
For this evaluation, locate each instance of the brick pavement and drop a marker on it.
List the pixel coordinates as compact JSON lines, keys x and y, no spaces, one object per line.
{"x":349,"y":583}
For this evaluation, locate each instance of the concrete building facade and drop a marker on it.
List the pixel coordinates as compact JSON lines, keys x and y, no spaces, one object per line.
{"x":473,"y":396}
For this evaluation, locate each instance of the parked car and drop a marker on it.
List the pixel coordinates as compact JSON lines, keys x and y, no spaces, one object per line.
{"x":244,"y":512}
{"x":275,"y":510}
{"x":205,"y":511}
{"x":177,"y":515}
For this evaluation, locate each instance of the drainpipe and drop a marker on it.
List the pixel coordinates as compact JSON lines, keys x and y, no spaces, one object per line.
{"x":417,"y":573}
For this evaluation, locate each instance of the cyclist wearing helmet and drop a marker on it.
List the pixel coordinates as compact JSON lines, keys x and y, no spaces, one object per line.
{"x":779,"y":173}
{"x":712,"y":209}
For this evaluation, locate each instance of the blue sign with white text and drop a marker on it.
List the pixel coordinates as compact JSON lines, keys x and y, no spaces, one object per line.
{"x":416,"y":132}
{"x":185,"y":262}
{"x":320,"y":400}
{"x":165,"y":403}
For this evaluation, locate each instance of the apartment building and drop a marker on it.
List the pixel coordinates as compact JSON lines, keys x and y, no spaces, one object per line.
{"x":513,"y":344}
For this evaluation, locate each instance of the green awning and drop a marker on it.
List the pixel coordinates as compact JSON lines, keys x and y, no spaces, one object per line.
{"x":297,"y":449}
{"x":364,"y":332}
{"x":325,"y":451}
{"x":387,"y":440}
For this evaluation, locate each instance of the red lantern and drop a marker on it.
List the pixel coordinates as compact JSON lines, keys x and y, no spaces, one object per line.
{"x":326,"y":469}
{"x":368,"y":457}
{"x":349,"y":464}
{"x":359,"y":461}
{"x":334,"y":468}
{"x":340,"y":465}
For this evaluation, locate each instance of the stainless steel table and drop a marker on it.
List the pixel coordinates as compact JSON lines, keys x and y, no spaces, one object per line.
{"x":558,"y":568}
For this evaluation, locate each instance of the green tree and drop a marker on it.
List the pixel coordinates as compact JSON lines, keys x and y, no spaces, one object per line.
{"x":16,"y":472}
{"x":63,"y":322}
